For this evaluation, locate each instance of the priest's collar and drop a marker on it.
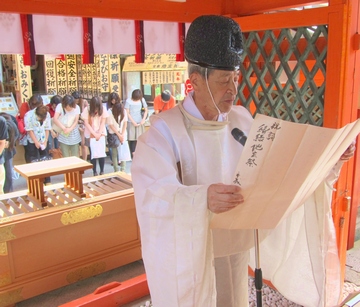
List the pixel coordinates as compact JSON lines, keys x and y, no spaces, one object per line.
{"x":193,"y":117}
{"x":190,"y":107}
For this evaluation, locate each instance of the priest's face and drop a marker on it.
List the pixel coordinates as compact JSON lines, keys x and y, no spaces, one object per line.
{"x":219,"y":89}
{"x":223,"y":86}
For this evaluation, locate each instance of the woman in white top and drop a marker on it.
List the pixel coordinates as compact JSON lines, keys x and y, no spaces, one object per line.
{"x":117,"y":123}
{"x":94,"y":116}
{"x":38,"y":126}
{"x":136,"y":121}
{"x":66,"y":117}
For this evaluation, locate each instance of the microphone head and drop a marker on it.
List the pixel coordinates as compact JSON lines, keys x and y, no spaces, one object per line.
{"x":239,"y":136}
{"x":237,"y":133}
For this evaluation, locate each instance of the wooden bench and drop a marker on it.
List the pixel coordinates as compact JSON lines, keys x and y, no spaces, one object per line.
{"x":35,"y":173}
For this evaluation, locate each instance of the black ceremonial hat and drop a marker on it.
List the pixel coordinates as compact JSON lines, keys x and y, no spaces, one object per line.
{"x":214,"y":41}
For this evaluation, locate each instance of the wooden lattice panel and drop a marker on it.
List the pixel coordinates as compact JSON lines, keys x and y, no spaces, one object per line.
{"x":283,"y":74}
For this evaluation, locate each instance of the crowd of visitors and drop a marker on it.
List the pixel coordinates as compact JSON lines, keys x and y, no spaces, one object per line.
{"x":73,"y":126}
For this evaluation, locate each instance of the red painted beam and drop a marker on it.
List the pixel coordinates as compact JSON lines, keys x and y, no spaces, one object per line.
{"x":114,"y":294}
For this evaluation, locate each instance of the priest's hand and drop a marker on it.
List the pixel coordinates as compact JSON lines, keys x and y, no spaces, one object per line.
{"x":223,"y":197}
{"x":349,"y":153}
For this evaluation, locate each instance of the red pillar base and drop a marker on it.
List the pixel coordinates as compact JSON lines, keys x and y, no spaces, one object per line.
{"x":114,"y":294}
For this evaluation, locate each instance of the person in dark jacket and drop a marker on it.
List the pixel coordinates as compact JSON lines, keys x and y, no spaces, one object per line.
{"x":10,"y":150}
{"x":3,"y":137}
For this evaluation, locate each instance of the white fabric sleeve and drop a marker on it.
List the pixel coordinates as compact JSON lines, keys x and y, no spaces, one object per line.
{"x":174,"y":225}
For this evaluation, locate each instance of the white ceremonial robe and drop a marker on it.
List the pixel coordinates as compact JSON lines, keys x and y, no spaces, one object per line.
{"x":300,"y":256}
{"x":178,"y":245}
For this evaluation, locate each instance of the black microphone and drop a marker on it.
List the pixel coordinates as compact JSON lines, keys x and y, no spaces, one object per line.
{"x":239,"y":136}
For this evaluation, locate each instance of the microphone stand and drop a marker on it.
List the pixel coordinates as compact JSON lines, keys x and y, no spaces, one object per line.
{"x":241,"y":138}
{"x":258,"y":272}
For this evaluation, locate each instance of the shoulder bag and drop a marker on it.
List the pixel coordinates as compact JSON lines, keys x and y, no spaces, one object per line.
{"x":113,"y":140}
{"x":54,"y":126}
{"x":143,"y":109}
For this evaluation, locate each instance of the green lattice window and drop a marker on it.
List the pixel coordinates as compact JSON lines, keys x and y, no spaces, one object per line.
{"x":283,"y":73}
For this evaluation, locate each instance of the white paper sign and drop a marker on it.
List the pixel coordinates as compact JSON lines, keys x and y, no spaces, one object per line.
{"x":281,"y":166}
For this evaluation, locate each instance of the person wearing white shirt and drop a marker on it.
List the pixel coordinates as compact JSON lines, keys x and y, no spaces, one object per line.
{"x":66,"y":117}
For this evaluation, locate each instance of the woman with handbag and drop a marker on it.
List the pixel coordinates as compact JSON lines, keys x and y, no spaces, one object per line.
{"x":66,"y":117}
{"x":117,"y":136}
{"x":137,"y":110}
{"x":94,"y":117}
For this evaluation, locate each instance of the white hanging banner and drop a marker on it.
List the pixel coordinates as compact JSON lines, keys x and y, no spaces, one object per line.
{"x":11,"y":34}
{"x":161,"y":37}
{"x":114,"y":36}
{"x":58,"y":34}
{"x":63,"y":35}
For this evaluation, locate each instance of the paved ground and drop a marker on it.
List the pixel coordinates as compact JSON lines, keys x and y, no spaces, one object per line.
{"x":352,"y":269}
{"x":352,"y":273}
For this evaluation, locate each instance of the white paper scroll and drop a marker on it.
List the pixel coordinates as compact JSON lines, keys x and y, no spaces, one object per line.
{"x":281,"y":166}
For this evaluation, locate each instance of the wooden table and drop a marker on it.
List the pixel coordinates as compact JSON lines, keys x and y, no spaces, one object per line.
{"x":35,"y":173}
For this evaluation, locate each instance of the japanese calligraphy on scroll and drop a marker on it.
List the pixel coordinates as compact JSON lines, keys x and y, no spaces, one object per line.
{"x":61,"y":75}
{"x":162,"y":77}
{"x":158,"y":61}
{"x":114,"y":73}
{"x":104,"y":72}
{"x":89,"y":77}
{"x":23,"y":78}
{"x":62,"y":88}
{"x":95,"y":77}
{"x":97,"y":81}
{"x":89,"y":82}
{"x":110,"y":73}
{"x":50,"y":75}
{"x":80,"y":73}
{"x":71,"y":73}
{"x":281,"y":165}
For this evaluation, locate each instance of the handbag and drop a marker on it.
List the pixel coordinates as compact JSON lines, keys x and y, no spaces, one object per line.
{"x":113,"y":140}
{"x":55,"y":127}
{"x":21,"y":124}
{"x":64,"y":120}
{"x":55,"y":153}
{"x":142,"y":111}
{"x":97,"y":148}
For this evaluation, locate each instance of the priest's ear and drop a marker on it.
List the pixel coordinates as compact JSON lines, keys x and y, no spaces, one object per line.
{"x":195,"y":79}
